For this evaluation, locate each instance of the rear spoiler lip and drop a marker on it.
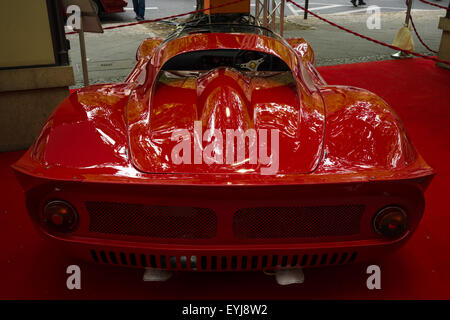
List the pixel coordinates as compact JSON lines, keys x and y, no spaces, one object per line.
{"x":421,"y":177}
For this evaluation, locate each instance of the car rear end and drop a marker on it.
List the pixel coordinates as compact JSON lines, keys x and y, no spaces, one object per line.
{"x":223,"y":227}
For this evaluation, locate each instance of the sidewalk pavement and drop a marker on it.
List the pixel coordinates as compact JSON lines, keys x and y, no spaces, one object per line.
{"x":111,"y":55}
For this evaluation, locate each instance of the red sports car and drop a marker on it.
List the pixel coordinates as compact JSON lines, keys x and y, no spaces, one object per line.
{"x":224,"y":150}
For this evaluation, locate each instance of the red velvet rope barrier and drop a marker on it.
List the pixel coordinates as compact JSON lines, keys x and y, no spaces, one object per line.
{"x":417,"y":33}
{"x":166,"y":18}
{"x":418,"y":36}
{"x":434,"y":4}
{"x":368,"y":38}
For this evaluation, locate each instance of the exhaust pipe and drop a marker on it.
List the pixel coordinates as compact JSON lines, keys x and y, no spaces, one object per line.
{"x":151,"y":274}
{"x":288,"y":276}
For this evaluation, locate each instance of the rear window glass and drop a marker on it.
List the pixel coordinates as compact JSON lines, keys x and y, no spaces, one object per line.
{"x":242,"y":60}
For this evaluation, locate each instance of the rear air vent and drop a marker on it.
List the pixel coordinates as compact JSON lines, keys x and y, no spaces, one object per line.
{"x":297,"y":222}
{"x":221,"y":263}
{"x":169,"y":222}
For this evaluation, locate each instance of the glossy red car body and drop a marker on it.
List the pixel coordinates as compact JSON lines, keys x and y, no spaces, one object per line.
{"x":344,"y":155}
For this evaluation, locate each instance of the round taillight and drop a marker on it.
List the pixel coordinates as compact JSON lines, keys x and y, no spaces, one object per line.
{"x":391,"y":222}
{"x":60,"y":216}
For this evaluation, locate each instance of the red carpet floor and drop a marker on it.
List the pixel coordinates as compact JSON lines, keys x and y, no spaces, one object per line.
{"x":31,"y":268}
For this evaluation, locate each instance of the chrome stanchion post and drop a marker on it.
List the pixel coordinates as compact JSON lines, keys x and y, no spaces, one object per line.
{"x":256,"y":12}
{"x":402,"y":54}
{"x":444,"y":47}
{"x":273,"y":15}
{"x":83,"y":54}
{"x":305,"y":16}
{"x":265,"y":11}
{"x":408,"y":12}
{"x":282,"y":17}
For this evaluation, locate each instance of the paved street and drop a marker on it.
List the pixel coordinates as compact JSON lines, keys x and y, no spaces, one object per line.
{"x":162,"y":8}
{"x":111,"y":55}
{"x":345,"y":7}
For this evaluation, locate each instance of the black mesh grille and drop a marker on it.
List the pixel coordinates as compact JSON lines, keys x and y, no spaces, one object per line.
{"x":152,"y":221}
{"x":297,"y":222}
